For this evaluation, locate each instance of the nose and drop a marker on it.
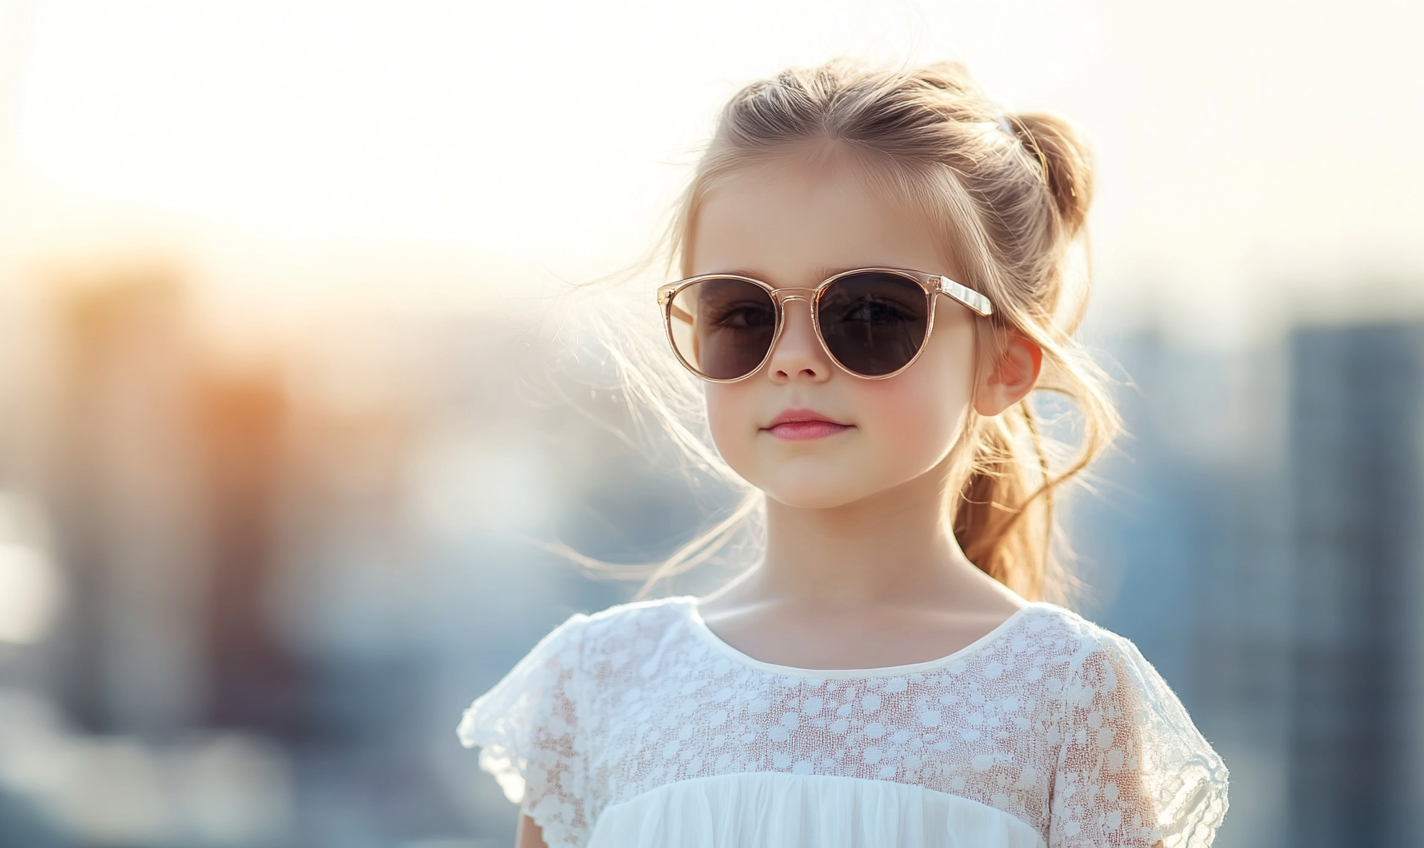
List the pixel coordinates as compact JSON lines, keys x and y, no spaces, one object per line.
{"x":798,"y":354}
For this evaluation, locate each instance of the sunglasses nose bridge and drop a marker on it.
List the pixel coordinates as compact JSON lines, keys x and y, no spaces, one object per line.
{"x":786,"y":295}
{"x":782,"y":297}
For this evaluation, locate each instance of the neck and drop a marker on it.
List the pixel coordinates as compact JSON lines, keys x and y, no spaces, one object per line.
{"x":894,"y":548}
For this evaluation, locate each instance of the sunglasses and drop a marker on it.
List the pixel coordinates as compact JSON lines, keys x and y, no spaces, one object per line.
{"x":872,"y":322}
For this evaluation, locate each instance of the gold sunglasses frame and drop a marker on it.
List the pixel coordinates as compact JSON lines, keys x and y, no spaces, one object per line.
{"x":932,"y":284}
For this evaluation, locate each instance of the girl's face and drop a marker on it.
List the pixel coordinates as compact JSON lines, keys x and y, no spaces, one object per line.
{"x":793,"y":226}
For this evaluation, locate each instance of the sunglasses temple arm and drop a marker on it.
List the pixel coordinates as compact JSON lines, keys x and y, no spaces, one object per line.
{"x":967,"y":296}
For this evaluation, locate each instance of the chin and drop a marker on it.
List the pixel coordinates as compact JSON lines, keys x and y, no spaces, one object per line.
{"x":822,"y":499}
{"x":812,"y":493}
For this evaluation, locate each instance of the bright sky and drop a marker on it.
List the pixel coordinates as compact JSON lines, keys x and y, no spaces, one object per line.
{"x":1251,"y":153}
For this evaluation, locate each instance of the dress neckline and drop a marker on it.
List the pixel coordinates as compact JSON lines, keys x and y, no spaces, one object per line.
{"x":703,"y":632}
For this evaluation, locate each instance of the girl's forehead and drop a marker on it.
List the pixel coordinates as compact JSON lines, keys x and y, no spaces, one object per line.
{"x":790,"y":216}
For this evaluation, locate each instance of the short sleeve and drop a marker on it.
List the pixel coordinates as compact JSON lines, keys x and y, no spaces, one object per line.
{"x":1133,"y":770}
{"x":527,"y":728}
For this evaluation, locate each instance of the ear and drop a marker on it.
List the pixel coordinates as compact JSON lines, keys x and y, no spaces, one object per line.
{"x":1012,"y":376}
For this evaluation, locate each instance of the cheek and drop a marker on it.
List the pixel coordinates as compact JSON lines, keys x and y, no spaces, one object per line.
{"x":729,"y":417}
{"x":921,"y":412}
{"x":921,"y":424}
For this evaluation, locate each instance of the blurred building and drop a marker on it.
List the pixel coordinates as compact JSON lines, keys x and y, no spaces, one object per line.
{"x":141,"y":721}
{"x":1357,"y":475}
{"x":121,"y":485}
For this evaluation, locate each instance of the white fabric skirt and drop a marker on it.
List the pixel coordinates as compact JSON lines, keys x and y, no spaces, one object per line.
{"x":776,"y":810}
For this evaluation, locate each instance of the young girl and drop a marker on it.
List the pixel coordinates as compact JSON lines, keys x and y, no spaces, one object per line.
{"x":879,"y":267}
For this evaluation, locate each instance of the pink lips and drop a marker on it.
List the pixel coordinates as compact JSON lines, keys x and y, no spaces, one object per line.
{"x":801,"y":424}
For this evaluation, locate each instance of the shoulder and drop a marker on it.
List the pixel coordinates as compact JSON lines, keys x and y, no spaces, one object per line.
{"x":634,"y":627}
{"x":640,"y":612}
{"x":1090,"y":654}
{"x":1101,"y":666}
{"x":631,"y":617}
{"x":1073,"y":634}
{"x":561,"y":660}
{"x":1051,"y":628}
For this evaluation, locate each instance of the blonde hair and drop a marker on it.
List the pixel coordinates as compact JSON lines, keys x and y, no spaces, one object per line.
{"x":1009,"y":194}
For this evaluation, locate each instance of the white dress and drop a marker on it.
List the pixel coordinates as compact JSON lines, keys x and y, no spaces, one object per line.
{"x":638,"y":727}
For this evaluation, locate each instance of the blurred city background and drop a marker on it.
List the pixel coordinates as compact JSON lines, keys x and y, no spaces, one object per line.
{"x":288,"y":400}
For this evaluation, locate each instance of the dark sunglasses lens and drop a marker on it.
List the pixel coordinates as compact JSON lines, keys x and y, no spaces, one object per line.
{"x":874,"y":323}
{"x":722,"y":328}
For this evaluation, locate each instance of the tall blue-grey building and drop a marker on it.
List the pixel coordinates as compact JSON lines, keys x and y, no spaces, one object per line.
{"x":1357,"y":476}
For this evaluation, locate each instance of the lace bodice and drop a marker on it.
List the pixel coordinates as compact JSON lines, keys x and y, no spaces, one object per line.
{"x":1048,"y":718}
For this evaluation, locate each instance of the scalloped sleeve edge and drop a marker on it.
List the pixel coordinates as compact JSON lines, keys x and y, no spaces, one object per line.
{"x":503,"y":721}
{"x":1190,"y":816}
